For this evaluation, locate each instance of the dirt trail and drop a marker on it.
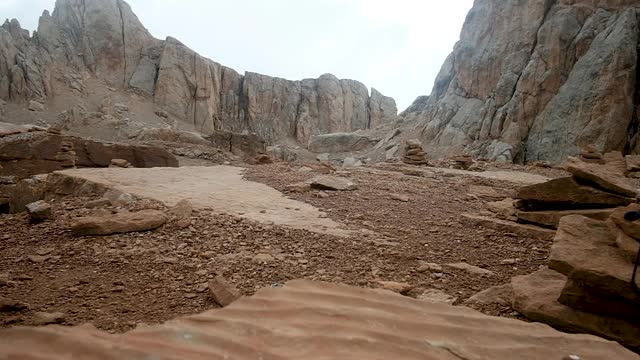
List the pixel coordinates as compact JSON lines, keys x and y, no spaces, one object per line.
{"x":220,"y":188}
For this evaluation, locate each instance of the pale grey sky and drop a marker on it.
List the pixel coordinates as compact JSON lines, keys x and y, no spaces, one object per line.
{"x":395,"y":46}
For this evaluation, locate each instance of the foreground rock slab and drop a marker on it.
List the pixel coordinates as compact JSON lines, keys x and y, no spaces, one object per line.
{"x":120,"y":223}
{"x":221,"y":188}
{"x":373,"y":325}
{"x":601,"y":176}
{"x":536,"y":297}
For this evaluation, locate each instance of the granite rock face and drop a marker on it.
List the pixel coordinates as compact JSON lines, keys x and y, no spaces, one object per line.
{"x":539,"y":81}
{"x":104,"y":39}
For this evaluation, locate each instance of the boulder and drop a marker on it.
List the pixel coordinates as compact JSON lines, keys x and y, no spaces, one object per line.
{"x":615,"y":163}
{"x":510,"y":227}
{"x":36,"y":106}
{"x":436,"y":296}
{"x":39,"y":211}
{"x":333,"y":183}
{"x":552,"y":218}
{"x":119,"y":163}
{"x":350,"y":162}
{"x":123,"y":222}
{"x":8,"y":305}
{"x":585,"y":251}
{"x":224,"y":293}
{"x":43,"y":318}
{"x":340,"y":143}
{"x":601,"y":177}
{"x":568,"y":193}
{"x":504,"y":209}
{"x":498,"y":295}
{"x":472,"y":269}
{"x":182,"y":210}
{"x":536,"y":297}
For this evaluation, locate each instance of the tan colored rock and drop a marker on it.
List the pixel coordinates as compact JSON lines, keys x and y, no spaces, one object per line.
{"x":536,"y":297}
{"x":333,"y":183}
{"x":223,"y":292}
{"x":122,"y":222}
{"x":487,"y":192}
{"x":400,"y":288}
{"x":504,"y":209}
{"x":300,"y":313}
{"x":615,"y":162}
{"x":43,"y":318}
{"x":601,"y":176}
{"x":585,"y":250}
{"x":633,"y":163}
{"x":510,"y":227}
{"x":299,"y":187}
{"x":437,"y":297}
{"x":39,"y":211}
{"x":472,"y":269}
{"x":500,"y":295}
{"x":182,"y":210}
{"x":552,"y":218}
{"x":566,"y":193}
{"x":120,"y":163}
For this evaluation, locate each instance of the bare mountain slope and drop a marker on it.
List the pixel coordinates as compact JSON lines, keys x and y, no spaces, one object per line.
{"x":85,"y":42}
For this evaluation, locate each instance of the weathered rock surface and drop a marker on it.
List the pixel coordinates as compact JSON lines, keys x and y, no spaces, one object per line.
{"x":536,"y":297}
{"x":379,"y":325}
{"x":333,"y":183}
{"x":602,"y":177}
{"x":122,"y":222}
{"x":340,"y":143}
{"x":105,"y":40}
{"x":223,"y":293}
{"x":500,"y":295}
{"x":39,"y":211}
{"x":33,"y":153}
{"x":547,"y":80}
{"x":585,"y":251}
{"x":552,"y":218}
{"x":566,"y":193}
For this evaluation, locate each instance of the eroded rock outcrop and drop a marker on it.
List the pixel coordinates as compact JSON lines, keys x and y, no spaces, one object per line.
{"x":536,"y":80}
{"x":86,"y":39}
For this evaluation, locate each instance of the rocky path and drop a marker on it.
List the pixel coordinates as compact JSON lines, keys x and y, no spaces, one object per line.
{"x":219,"y":188}
{"x":415,"y":241}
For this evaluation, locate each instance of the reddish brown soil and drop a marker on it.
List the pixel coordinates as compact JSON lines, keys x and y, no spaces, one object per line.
{"x":117,"y":282}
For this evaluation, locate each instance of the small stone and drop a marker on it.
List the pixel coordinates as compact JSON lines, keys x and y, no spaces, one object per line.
{"x":118,"y":289}
{"x":36,"y":106}
{"x":4,"y":279}
{"x":43,"y":318}
{"x":38,"y":258}
{"x":202,"y":287}
{"x":471,"y":269}
{"x":39,"y":211}
{"x":333,"y":183}
{"x":429,"y":267}
{"x":264,"y":258}
{"x":437,"y":297}
{"x":303,"y":261}
{"x":190,"y":295}
{"x":401,"y":288}
{"x":46,"y":251}
{"x":509,"y":261}
{"x":399,"y":197}
{"x":223,"y":292}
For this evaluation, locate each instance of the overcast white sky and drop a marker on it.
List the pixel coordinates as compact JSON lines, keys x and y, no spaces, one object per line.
{"x":394,"y":46}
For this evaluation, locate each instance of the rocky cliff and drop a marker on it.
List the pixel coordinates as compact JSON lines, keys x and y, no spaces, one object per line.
{"x":536,"y":80}
{"x":103,"y":39}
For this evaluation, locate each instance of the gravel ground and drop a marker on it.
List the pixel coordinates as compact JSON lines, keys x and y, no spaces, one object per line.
{"x":122,"y":281}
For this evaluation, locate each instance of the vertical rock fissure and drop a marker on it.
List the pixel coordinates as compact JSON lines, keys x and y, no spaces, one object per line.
{"x":195,"y":90}
{"x":124,"y":45}
{"x":634,"y":125}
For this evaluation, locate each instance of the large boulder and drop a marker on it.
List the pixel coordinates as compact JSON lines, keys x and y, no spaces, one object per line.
{"x":552,"y":218}
{"x":602,"y":177}
{"x":585,"y":251}
{"x":567,"y":193}
{"x":536,"y":297}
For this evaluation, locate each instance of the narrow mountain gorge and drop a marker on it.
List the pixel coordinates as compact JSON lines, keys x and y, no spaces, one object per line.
{"x":100,"y":39}
{"x":536,"y":80}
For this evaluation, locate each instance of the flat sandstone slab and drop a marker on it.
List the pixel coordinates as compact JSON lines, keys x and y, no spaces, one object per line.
{"x":310,"y":320}
{"x":221,"y":188}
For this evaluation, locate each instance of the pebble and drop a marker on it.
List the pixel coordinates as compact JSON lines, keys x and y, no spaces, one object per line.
{"x":190,"y":295}
{"x":43,"y":318}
